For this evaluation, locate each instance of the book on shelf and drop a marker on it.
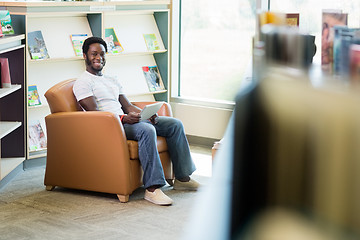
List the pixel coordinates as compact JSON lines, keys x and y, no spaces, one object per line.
{"x":354,"y":62}
{"x":343,"y":38}
{"x":112,"y":42}
{"x":151,"y":42}
{"x":292,"y":19}
{"x":37,"y":138}
{"x":330,"y":18}
{"x":153,"y":78}
{"x":5,"y":73}
{"x":37,"y":47}
{"x":6,"y":25}
{"x":77,"y":41}
{"x":33,"y":96}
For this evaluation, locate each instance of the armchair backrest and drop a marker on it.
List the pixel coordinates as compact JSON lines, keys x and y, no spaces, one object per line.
{"x":60,"y":97}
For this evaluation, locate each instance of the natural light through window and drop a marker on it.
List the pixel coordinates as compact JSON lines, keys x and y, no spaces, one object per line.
{"x":216,"y":47}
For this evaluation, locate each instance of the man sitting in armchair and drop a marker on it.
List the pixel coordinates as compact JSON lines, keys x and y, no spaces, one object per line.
{"x":97,"y":92}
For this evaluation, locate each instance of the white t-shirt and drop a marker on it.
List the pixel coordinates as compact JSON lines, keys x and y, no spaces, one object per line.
{"x":105,"y":89}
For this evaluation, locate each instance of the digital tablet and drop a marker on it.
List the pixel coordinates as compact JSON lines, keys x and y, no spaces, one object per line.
{"x":150,"y":110}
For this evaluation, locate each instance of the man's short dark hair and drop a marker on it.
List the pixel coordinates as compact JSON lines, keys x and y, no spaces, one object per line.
{"x":92,"y":40}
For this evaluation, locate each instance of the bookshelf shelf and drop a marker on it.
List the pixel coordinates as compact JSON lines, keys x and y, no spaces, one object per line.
{"x":130,"y":54}
{"x":9,"y":164}
{"x":108,"y":55}
{"x":12,"y":106}
{"x":6,"y":91}
{"x":8,"y":127}
{"x":37,"y":154}
{"x":145,"y":93}
{"x":38,"y":106}
{"x":42,"y":61}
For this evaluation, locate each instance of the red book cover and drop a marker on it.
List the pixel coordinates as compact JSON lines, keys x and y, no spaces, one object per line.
{"x":5,"y":73}
{"x":329,"y":20}
{"x":355,"y":64}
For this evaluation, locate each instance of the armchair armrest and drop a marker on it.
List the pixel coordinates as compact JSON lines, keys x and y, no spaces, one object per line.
{"x":93,"y":139}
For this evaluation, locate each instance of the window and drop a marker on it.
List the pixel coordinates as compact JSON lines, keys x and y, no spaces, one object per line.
{"x":215,"y":47}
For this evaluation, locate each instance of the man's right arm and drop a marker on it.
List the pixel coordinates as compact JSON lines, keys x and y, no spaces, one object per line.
{"x":89,"y":104}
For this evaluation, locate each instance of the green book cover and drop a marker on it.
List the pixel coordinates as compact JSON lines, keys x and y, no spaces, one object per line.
{"x":151,"y":42}
{"x":33,"y":96}
{"x":112,"y":41}
{"x":6,"y":25}
{"x":77,"y":41}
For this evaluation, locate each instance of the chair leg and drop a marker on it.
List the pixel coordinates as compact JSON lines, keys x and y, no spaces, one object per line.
{"x":123,"y":198}
{"x":170,"y":181}
{"x":49,"y":187}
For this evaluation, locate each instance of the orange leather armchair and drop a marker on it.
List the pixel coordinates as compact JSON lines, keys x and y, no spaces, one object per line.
{"x":89,"y":150}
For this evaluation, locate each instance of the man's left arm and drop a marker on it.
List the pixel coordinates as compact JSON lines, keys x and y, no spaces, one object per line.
{"x":127,"y":106}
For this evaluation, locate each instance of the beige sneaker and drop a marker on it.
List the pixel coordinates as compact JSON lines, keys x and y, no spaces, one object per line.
{"x":191,"y":185}
{"x":158,"y":197}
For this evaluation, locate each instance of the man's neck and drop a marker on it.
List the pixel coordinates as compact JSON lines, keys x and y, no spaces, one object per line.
{"x":96,"y":73}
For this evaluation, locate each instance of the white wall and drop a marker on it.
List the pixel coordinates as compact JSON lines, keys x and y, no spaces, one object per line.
{"x":207,"y":122}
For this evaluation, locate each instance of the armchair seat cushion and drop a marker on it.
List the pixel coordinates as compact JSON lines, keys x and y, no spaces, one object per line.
{"x":134,"y":148}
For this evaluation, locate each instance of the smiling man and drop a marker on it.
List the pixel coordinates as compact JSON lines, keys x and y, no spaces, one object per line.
{"x":97,"y":92}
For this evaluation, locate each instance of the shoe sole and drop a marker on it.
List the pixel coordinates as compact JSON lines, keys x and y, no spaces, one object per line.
{"x":160,"y":204}
{"x":185,"y":188}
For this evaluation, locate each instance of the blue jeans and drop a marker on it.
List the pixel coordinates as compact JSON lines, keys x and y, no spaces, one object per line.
{"x":145,"y":133}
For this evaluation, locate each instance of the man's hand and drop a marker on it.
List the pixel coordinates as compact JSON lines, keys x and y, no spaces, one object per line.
{"x":131,"y":118}
{"x":154,"y":119}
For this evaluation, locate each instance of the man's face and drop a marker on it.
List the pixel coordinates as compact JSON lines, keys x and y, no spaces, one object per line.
{"x":95,"y":58}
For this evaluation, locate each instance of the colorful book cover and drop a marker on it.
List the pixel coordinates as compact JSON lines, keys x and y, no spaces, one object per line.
{"x":292,"y":19}
{"x":37,"y":47}
{"x":151,"y":42}
{"x":37,"y":138}
{"x":329,"y":20}
{"x":153,"y":78}
{"x":6,"y":25}
{"x":33,"y":96}
{"x":343,"y":38}
{"x":77,"y":41}
{"x":112,"y":41}
{"x":5,"y":73}
{"x":354,"y":55}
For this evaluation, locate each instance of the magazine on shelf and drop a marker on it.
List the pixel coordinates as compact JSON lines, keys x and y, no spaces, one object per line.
{"x":292,"y":19}
{"x":6,"y":25}
{"x":153,"y":78}
{"x":5,"y":73}
{"x":330,"y":18}
{"x":33,"y":96}
{"x":77,"y":41}
{"x":151,"y":42}
{"x":37,"y":138}
{"x":37,"y":47}
{"x":112,"y":41}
